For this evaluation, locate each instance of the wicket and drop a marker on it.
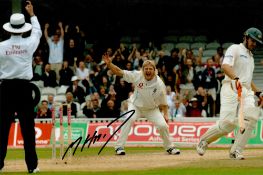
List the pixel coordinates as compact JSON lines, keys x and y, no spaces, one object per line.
{"x":61,"y":129}
{"x":53,"y":133}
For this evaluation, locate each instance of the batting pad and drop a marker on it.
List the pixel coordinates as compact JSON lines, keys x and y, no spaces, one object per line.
{"x":251,"y":116}
{"x":222,"y":128}
{"x":252,"y":113}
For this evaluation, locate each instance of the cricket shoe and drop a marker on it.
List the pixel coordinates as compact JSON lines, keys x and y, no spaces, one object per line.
{"x":36,"y":170}
{"x":120,"y":151}
{"x":201,"y":147}
{"x":236,"y":155}
{"x":173,"y":151}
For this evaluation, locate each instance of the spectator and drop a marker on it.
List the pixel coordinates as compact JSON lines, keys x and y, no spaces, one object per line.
{"x":109,"y":51}
{"x":73,"y":106}
{"x":49,"y":77}
{"x":111,"y":77}
{"x":65,"y":74}
{"x":134,"y":57}
{"x":81,"y":71}
{"x":187,"y":78}
{"x":209,"y":83}
{"x":89,"y":62}
{"x":50,"y":101}
{"x":219,"y":56}
{"x":105,"y":83}
{"x":199,"y":68}
{"x":77,"y":91}
{"x":129,"y":66}
{"x":56,"y":48}
{"x":102,"y":93}
{"x":73,"y":32}
{"x":110,"y":110}
{"x":73,"y":45}
{"x":37,"y":68}
{"x":171,"y":81}
{"x":189,"y":54}
{"x":170,"y":62}
{"x":178,"y":110}
{"x":119,"y":59}
{"x":71,"y":53}
{"x":89,"y":82}
{"x":92,"y":108}
{"x":97,"y":96}
{"x":43,"y":110}
{"x":194,"y":109}
{"x":170,"y":96}
{"x":202,"y":98}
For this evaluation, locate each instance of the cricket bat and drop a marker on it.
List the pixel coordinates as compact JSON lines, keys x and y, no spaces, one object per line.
{"x":241,"y":109}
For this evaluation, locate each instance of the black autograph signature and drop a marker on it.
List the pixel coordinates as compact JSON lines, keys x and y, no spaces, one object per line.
{"x":96,"y":137}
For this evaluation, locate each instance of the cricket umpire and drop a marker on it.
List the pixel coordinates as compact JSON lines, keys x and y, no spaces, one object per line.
{"x":16,"y":56}
{"x":238,"y":65}
{"x":148,"y":98}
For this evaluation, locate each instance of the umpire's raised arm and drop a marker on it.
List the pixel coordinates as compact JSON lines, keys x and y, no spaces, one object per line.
{"x":29,"y":8}
{"x":115,"y":69}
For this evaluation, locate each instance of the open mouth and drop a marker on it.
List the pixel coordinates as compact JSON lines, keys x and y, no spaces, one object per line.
{"x":148,"y":74}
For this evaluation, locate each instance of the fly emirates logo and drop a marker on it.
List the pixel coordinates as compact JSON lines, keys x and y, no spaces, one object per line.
{"x":16,"y":50}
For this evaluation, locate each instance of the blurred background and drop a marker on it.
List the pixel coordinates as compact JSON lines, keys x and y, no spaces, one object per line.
{"x":110,"y":19}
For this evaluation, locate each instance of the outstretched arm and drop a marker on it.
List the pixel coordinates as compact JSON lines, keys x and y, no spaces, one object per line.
{"x":29,"y":8}
{"x":46,"y":31}
{"x":115,"y":69}
{"x":61,"y":29}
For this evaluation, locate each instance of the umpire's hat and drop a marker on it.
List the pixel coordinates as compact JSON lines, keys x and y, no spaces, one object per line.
{"x":17,"y":24}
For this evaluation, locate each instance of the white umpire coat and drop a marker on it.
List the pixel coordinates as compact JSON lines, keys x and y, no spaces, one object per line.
{"x":15,"y":54}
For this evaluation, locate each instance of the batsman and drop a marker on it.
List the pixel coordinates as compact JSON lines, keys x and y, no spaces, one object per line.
{"x":237,"y":96}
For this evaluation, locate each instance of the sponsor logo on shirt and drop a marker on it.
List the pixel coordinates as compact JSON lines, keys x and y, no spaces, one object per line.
{"x":140,"y":86}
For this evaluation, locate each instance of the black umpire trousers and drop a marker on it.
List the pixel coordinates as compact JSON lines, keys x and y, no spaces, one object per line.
{"x":16,"y":97}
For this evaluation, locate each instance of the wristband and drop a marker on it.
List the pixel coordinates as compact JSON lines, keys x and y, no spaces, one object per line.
{"x":258,"y":94}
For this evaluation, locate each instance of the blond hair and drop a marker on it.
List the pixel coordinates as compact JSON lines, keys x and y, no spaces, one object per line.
{"x":150,"y":62}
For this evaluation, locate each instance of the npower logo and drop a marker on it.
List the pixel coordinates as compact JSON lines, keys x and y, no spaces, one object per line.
{"x":194,"y":130}
{"x":42,"y":134}
{"x":38,"y":132}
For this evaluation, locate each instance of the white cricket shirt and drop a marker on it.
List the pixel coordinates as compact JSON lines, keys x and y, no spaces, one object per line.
{"x":16,"y":54}
{"x":147,"y":94}
{"x":242,"y":61}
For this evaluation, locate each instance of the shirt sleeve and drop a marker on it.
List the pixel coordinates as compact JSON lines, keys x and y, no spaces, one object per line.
{"x":131,"y":76}
{"x":229,"y":57}
{"x":36,"y":32}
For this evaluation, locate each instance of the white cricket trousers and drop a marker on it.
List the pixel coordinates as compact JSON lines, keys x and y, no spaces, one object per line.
{"x":229,"y":102}
{"x":153,"y":115}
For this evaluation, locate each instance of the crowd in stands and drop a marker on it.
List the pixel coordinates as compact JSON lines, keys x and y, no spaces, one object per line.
{"x":70,"y":71}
